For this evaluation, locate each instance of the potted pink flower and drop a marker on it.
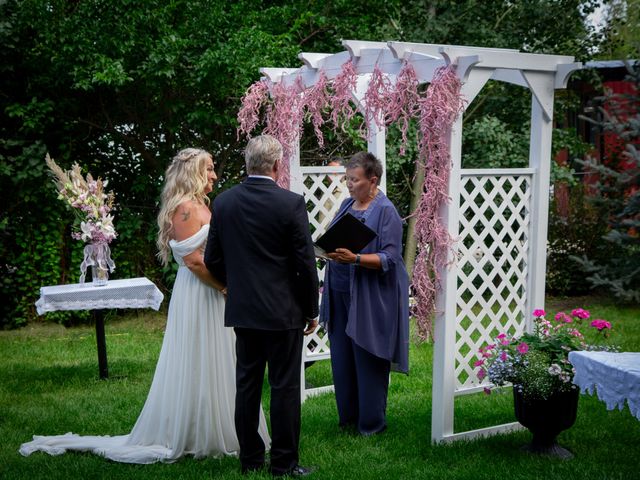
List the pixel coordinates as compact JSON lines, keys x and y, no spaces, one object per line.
{"x":537,"y":366}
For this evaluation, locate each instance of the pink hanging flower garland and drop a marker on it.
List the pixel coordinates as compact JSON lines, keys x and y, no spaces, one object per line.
{"x":403,"y":101}
{"x":384,"y":104}
{"x":284,"y":117}
{"x":342,"y":110}
{"x":376,"y":100}
{"x":255,"y":97}
{"x":316,"y":101}
{"x":438,"y":110}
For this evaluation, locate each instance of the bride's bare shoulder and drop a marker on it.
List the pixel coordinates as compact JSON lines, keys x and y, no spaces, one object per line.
{"x":186,"y":210}
{"x":187,"y":219}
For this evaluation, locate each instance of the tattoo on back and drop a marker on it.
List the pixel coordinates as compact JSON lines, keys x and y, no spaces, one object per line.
{"x":185,"y":215}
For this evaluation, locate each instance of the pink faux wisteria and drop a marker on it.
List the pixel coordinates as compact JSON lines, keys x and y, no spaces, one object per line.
{"x":316,"y":101}
{"x":256,"y":96}
{"x":342,"y":110}
{"x":402,"y":104}
{"x":438,"y":110}
{"x":376,"y":100}
{"x":384,"y":103}
{"x":284,"y":122}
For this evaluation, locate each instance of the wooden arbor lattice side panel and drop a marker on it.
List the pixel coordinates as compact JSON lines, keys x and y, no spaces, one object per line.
{"x":492,"y":267}
{"x":323,"y":192}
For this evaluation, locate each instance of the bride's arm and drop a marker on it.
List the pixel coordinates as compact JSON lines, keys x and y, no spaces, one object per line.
{"x":186,"y":223}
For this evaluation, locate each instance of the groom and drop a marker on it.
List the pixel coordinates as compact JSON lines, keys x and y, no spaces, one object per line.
{"x":260,"y":246}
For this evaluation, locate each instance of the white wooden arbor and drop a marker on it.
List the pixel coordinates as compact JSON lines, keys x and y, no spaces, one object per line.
{"x":498,"y":217}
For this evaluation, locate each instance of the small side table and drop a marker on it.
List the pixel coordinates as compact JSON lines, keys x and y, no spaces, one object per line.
{"x":127,"y":293}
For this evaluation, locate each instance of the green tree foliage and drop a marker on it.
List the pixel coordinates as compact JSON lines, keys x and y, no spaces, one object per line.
{"x":119,"y":86}
{"x":619,"y":194}
{"x":579,"y":233}
{"x":622,"y":30}
{"x":509,"y":149}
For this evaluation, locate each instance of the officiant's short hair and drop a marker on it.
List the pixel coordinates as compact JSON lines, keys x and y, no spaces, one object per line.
{"x":369,"y":162}
{"x":261,"y":153}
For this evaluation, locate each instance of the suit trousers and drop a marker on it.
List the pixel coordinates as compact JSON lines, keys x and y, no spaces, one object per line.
{"x":281,"y":351}
{"x":360,"y":379}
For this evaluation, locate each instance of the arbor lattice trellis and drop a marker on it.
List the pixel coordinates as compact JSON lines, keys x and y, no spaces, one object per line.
{"x":498,"y":218}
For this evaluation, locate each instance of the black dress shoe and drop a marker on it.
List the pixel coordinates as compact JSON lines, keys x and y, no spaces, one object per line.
{"x":297,"y":471}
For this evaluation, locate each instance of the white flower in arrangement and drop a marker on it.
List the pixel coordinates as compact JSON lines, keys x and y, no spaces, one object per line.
{"x":85,"y":236}
{"x":555,"y":369}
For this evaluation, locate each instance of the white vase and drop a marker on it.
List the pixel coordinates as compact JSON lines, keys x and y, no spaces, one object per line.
{"x":98,"y":256}
{"x":99,"y":275}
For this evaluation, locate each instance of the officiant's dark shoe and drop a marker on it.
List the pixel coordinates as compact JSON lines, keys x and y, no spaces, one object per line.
{"x":297,"y":471}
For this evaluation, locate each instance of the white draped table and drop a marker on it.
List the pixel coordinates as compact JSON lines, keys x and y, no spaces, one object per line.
{"x":614,"y":376}
{"x":125,"y":293}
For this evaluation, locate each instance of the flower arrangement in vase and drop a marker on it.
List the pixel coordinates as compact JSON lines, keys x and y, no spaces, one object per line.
{"x":94,"y":221}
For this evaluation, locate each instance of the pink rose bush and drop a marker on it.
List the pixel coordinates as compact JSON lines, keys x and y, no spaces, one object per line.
{"x":537,"y":363}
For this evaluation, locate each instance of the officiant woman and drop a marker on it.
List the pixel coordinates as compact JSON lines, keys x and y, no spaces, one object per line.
{"x":365,"y":304}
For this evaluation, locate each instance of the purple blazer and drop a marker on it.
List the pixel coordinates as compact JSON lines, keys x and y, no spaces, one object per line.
{"x":378,"y":319}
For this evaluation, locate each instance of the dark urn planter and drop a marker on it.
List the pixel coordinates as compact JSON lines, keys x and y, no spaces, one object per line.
{"x":545,"y":419}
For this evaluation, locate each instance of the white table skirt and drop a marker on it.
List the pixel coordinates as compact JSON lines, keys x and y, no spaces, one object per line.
{"x":614,"y":376}
{"x":126,"y":293}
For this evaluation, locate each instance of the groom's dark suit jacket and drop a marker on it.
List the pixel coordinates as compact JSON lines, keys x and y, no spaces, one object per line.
{"x":260,"y":246}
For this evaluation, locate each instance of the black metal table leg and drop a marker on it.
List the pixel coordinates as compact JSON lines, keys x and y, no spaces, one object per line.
{"x":98,"y":316}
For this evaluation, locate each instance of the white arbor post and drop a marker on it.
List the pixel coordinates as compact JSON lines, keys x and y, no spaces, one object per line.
{"x":539,"y":155}
{"x":376,"y":145}
{"x":443,"y":388}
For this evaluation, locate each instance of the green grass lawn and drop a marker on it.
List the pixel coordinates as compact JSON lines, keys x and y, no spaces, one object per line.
{"x":49,"y":385}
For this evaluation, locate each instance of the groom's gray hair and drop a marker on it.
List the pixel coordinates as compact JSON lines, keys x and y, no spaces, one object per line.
{"x":261,"y":153}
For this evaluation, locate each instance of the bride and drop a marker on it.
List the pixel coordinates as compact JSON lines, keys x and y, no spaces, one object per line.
{"x":190,"y":406}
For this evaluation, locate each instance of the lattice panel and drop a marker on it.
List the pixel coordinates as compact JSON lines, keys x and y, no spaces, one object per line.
{"x":324,"y":192}
{"x":316,"y":345}
{"x":493,"y":246}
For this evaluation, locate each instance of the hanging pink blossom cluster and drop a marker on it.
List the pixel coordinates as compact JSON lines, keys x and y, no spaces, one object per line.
{"x":316,"y":102}
{"x":249,"y":114}
{"x":344,"y":84}
{"x":376,"y":100}
{"x":284,"y":121}
{"x":402,"y":105}
{"x":290,"y":105}
{"x":384,"y":103}
{"x":438,"y":110}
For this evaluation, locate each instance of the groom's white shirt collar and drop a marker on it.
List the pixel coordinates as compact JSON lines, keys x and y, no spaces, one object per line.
{"x":261,"y":176}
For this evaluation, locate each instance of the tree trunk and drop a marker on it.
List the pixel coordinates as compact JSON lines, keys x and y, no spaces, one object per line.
{"x":411,"y":246}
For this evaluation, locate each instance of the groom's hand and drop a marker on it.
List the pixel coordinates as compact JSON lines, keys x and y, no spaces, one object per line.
{"x":312,"y":323}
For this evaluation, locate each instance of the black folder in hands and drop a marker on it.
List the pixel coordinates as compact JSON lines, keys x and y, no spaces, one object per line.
{"x":348,"y":232}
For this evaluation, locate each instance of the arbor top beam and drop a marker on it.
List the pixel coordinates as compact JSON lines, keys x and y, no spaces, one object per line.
{"x":508,"y":65}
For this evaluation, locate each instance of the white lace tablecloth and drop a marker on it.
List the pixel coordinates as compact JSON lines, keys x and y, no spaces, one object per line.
{"x":615,"y":377}
{"x":126,"y":293}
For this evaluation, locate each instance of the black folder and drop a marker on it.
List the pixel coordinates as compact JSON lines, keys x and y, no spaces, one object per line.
{"x":348,"y":232}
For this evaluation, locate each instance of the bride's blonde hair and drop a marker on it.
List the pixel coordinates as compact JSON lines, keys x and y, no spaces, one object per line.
{"x":185,"y":179}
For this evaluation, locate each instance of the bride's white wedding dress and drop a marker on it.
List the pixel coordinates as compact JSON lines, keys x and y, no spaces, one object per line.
{"x":190,"y":406}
